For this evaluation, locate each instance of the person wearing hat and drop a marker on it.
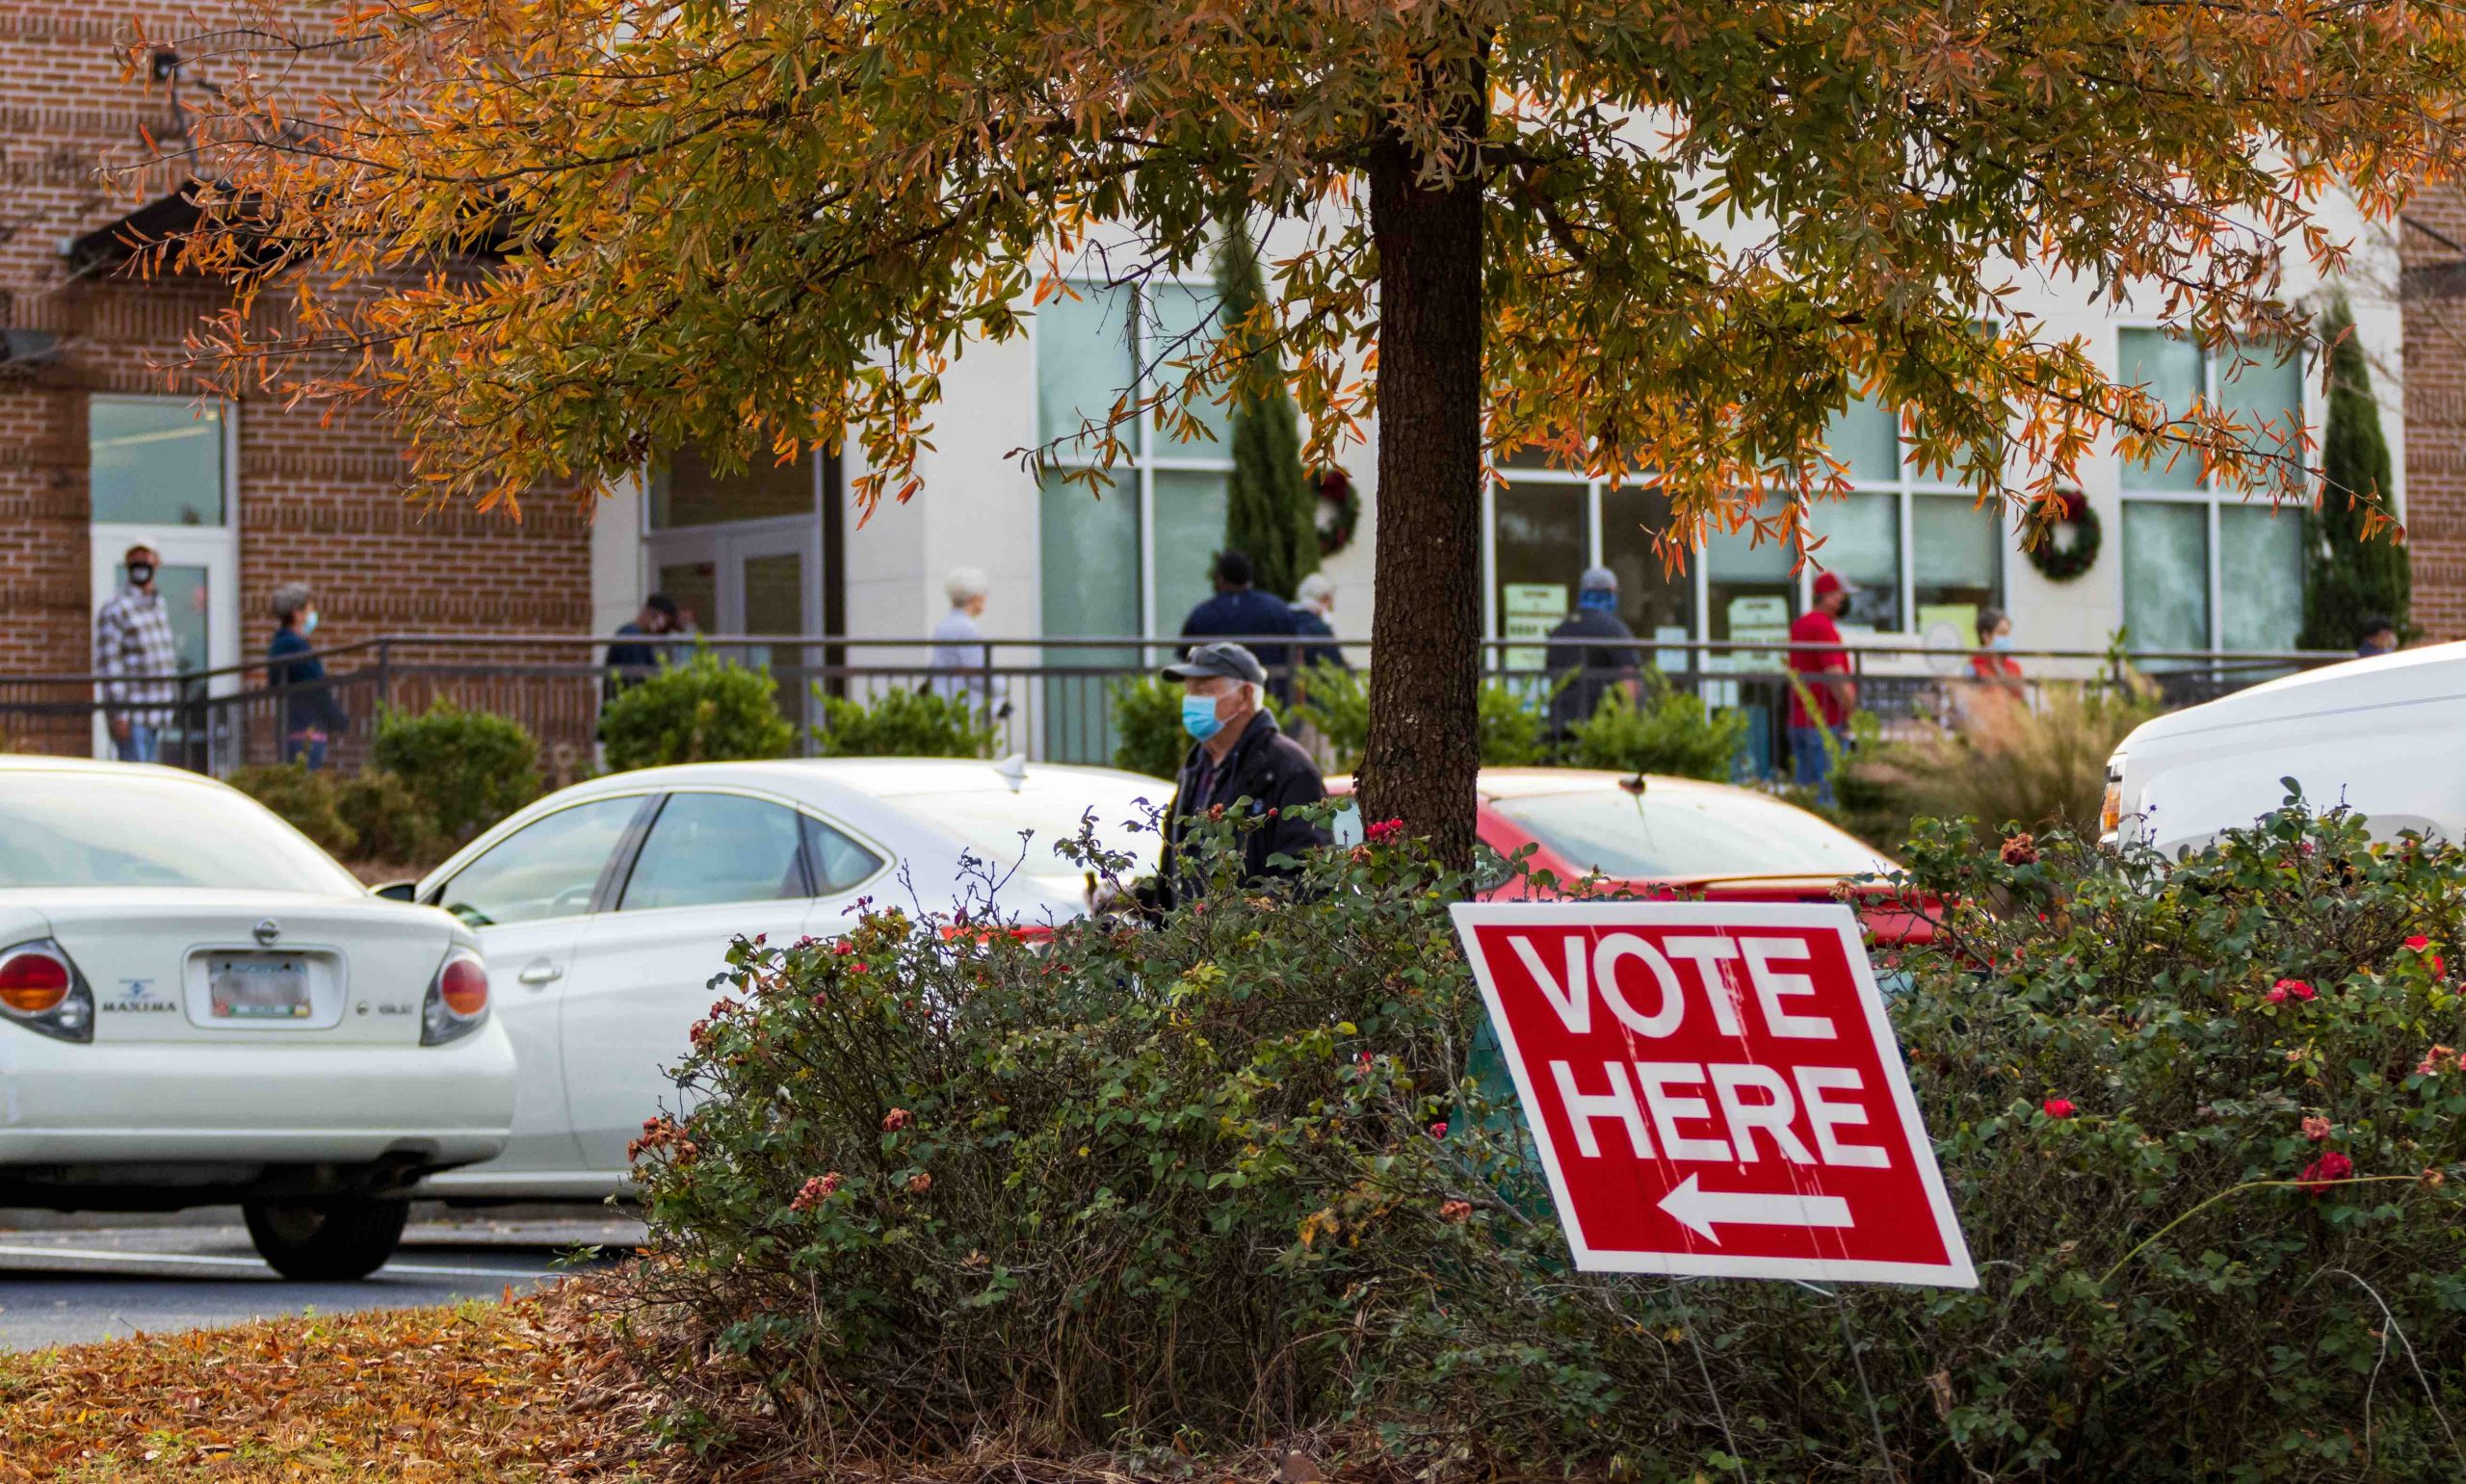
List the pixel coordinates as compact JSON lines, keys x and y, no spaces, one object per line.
{"x":1237,"y":753}
{"x":1591,"y":652}
{"x":1822,"y":675}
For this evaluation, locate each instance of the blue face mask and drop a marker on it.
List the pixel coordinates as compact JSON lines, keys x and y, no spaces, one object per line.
{"x":309,"y":622}
{"x":1198,"y":717}
{"x":2000,"y":642}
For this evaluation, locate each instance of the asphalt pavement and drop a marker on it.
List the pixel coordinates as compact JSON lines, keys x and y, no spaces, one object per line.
{"x":67,"y":1287}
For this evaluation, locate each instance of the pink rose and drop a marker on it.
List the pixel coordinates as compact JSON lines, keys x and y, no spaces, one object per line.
{"x":2059,"y":1107}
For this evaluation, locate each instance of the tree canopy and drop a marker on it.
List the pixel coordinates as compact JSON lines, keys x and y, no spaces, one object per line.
{"x":1672,"y":235}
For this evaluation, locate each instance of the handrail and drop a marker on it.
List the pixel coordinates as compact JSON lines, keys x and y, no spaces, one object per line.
{"x":382,"y":647}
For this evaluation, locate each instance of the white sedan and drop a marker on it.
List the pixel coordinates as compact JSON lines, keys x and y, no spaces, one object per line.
{"x":198,"y":1007}
{"x":606,"y":910}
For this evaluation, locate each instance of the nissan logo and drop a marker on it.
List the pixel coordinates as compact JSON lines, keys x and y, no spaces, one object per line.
{"x":267,"y":931}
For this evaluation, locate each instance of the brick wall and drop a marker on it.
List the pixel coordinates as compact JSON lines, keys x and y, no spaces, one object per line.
{"x":318,"y":501}
{"x":2435,"y":352}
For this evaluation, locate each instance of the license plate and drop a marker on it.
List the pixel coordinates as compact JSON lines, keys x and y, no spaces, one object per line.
{"x":257,"y":986}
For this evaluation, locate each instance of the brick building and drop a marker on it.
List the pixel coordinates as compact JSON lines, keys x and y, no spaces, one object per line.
{"x":2432,"y":248}
{"x":97,"y":450}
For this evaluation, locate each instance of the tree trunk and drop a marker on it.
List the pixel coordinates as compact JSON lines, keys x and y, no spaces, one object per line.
{"x":1425,"y":676}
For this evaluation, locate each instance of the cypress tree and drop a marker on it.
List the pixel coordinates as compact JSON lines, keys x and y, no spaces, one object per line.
{"x":1269,"y":509}
{"x":2348,"y":575}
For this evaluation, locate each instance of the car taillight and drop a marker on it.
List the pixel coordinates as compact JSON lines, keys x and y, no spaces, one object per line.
{"x":458,"y":999}
{"x":33,"y":982}
{"x":2111,"y":808}
{"x":42,"y":991}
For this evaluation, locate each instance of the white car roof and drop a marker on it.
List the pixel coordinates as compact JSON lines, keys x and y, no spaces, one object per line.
{"x":103,"y":769}
{"x":880,"y":778}
{"x":2433,"y":672}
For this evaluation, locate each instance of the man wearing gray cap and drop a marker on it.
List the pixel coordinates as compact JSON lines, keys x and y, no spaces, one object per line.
{"x":1237,"y":753}
{"x":1592,"y":651}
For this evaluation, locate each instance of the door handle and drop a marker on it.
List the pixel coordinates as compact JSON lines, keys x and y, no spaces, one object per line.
{"x":539,"y":971}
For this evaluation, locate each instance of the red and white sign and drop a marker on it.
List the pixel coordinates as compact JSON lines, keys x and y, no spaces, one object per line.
{"x":1715,"y":1090}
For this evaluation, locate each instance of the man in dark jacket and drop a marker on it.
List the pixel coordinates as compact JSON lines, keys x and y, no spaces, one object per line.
{"x":1592,"y":653}
{"x":1240,"y":612}
{"x":1238,"y":754}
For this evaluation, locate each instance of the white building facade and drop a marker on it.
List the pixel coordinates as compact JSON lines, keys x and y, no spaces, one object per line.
{"x":2181,"y":566}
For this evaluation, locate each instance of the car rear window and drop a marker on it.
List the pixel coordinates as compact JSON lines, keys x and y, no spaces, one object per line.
{"x":1689,"y":833}
{"x":98,"y":829}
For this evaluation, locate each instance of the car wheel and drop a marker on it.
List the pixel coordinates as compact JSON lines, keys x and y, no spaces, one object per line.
{"x":327,"y":1241}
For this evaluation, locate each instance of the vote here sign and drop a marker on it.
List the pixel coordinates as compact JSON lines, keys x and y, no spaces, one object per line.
{"x":1715,"y":1089}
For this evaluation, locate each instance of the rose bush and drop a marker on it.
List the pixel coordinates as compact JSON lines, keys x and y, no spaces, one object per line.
{"x":1225,"y":1180}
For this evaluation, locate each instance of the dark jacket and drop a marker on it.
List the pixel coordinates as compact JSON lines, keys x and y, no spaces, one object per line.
{"x":629,"y":664}
{"x":1270,"y":771}
{"x":299,"y":677}
{"x":1241,"y":613}
{"x":1587,"y":671}
{"x":1307,"y":624}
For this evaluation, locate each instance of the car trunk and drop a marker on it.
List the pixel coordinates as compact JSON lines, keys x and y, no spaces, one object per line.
{"x":256,"y":968}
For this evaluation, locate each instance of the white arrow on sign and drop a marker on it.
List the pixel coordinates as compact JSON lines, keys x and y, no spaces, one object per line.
{"x":1699,"y":1209}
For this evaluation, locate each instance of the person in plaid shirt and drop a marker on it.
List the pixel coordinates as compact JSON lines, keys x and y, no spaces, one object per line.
{"x":134,"y":654}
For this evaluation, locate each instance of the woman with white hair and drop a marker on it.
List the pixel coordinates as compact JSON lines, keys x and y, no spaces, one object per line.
{"x":312,"y":716}
{"x":1314,"y":605}
{"x":963,"y":661}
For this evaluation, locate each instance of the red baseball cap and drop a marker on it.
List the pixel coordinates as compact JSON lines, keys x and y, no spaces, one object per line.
{"x":1827,"y":583}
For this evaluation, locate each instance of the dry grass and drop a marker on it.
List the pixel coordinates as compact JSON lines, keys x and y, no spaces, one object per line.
{"x":519,"y":1390}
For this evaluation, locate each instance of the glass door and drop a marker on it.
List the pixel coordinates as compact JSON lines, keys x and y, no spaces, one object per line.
{"x":160,"y":473}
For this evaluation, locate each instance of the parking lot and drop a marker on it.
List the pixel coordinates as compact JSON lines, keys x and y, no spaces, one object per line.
{"x":63,"y":1284}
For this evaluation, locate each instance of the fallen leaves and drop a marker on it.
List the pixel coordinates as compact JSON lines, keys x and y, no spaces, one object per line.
{"x":474,"y":1393}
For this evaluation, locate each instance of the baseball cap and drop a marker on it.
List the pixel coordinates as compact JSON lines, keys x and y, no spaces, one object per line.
{"x":1597,"y":580}
{"x":1231,"y":660}
{"x":1828,"y":584}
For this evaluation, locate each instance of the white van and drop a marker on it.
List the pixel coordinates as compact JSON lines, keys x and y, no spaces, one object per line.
{"x":2385,"y":736}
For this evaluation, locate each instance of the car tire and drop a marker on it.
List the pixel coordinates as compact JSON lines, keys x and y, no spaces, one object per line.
{"x":329,"y":1241}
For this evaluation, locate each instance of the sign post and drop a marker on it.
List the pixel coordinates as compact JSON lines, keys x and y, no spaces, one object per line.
{"x":1715,"y":1090}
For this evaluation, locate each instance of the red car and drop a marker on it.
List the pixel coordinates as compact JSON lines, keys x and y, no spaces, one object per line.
{"x":1653,"y":836}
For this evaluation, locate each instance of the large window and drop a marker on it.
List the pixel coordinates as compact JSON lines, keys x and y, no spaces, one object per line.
{"x":1132,"y":558}
{"x":1548,"y":525}
{"x":156,"y":461}
{"x":1924,"y":554}
{"x":2203,"y":568}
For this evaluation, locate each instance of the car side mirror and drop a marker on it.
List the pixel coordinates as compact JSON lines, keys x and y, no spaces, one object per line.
{"x":399,"y":891}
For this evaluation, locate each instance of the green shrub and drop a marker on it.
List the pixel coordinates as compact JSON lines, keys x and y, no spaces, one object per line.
{"x":1336,"y":701}
{"x":1178,"y":1184}
{"x":707,"y":709}
{"x":2012,"y":764}
{"x":305,"y":799}
{"x":1670,"y":732}
{"x":902,"y":723}
{"x":386,"y":819}
{"x":1147,"y":726}
{"x":467,"y":769}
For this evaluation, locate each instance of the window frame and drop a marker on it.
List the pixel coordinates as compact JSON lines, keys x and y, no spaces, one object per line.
{"x":1142,"y":461}
{"x":2206,"y":495}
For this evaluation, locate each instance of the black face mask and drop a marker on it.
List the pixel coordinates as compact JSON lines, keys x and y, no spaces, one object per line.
{"x":141,"y":573}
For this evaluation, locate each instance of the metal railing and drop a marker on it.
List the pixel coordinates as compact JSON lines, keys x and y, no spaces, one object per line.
{"x":1051,"y":699}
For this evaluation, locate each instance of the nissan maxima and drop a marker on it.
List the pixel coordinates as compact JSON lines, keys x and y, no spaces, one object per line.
{"x":198,"y":1007}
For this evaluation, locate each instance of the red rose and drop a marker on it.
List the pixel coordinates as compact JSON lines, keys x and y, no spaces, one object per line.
{"x":1456,"y":1210}
{"x":2021,"y":849}
{"x":814,"y":1191}
{"x":2296,"y":988}
{"x":1438,"y":1129}
{"x":2276,"y":994}
{"x":2058,"y":1108}
{"x":1385,"y":829}
{"x":896,"y":1119}
{"x":919,"y":1183}
{"x":2423,"y":945}
{"x":2324,"y":1172}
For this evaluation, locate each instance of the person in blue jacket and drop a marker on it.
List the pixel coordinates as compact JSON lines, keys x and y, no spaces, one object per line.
{"x":311,"y":717}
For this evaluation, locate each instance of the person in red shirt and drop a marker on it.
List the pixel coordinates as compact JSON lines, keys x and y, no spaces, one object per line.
{"x":1823,"y":676}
